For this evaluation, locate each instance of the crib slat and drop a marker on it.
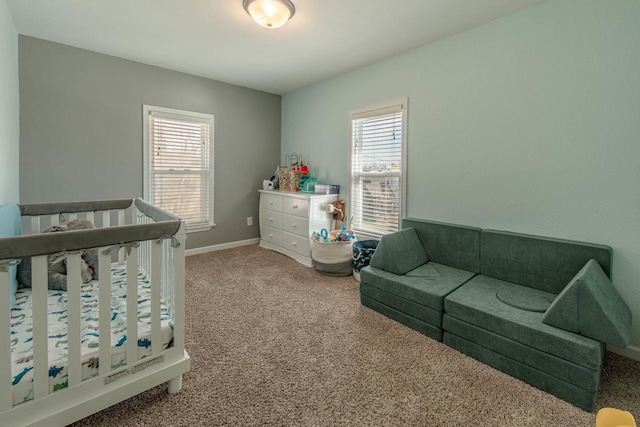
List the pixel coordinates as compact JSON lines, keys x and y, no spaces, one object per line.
{"x":163,"y":276}
{"x":156,"y":285}
{"x":145,"y":261}
{"x":120,"y":216}
{"x":73,"y":216}
{"x":120,"y":222}
{"x":39,"y":280}
{"x":167,"y":282}
{"x":177,"y":261}
{"x":171,"y":278}
{"x":104,"y":304}
{"x":131,"y":215}
{"x":132,"y":306}
{"x":106,"y":219}
{"x":35,"y":225}
{"x":90,"y":216}
{"x":54,"y":219}
{"x":6,"y":400}
{"x":74,"y":283}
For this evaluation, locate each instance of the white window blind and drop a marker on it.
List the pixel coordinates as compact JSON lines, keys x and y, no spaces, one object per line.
{"x":180,"y":160}
{"x":377,"y":169}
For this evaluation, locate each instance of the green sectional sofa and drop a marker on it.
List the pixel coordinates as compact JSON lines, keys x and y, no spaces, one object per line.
{"x":537,"y":308}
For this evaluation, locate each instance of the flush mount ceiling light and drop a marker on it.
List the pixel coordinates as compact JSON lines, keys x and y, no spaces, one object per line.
{"x":270,"y":13}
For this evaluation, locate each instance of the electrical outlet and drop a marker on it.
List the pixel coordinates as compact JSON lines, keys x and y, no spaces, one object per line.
{"x":249,"y":221}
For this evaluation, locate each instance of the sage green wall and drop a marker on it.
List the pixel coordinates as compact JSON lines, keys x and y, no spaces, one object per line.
{"x":9,"y":108}
{"x":530,"y":123}
{"x":81,"y":132}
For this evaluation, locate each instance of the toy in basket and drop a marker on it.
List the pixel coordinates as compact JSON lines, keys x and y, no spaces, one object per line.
{"x":332,"y":251}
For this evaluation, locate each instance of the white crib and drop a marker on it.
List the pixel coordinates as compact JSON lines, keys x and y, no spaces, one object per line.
{"x":140,"y":238}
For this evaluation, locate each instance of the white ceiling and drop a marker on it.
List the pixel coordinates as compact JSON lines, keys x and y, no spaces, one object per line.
{"x":217,"y":39}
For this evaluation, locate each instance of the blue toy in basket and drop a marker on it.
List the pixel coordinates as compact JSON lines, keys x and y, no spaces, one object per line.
{"x":346,"y":234}
{"x":325,"y":236}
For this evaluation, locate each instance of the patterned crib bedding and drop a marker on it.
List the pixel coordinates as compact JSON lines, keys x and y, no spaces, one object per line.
{"x":21,"y":327}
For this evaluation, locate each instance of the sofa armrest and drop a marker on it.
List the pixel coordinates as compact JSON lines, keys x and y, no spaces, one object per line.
{"x":399,"y":252}
{"x":589,"y":305}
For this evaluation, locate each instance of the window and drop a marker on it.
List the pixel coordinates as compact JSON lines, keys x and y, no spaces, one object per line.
{"x":178,"y":164}
{"x":378,"y":163}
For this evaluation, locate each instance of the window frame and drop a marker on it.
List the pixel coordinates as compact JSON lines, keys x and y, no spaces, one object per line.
{"x":147,"y":110}
{"x":403,"y":103}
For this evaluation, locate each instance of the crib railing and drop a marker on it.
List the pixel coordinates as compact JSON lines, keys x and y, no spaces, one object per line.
{"x":172,"y":252}
{"x":129,"y":231}
{"x":103,"y":214}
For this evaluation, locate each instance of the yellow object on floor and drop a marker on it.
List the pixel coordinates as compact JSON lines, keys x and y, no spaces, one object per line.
{"x":610,"y":417}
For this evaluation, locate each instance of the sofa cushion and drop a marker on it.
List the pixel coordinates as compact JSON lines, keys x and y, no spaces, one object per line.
{"x":419,"y":325}
{"x":579,"y":376}
{"x":589,"y":305}
{"x":11,"y":226}
{"x":449,"y":244}
{"x":403,"y":305}
{"x":399,"y":252}
{"x":476,"y":303}
{"x":538,"y":262}
{"x":545,"y":381}
{"x":428,"y":291}
{"x":428,"y":270}
{"x":520,"y":297}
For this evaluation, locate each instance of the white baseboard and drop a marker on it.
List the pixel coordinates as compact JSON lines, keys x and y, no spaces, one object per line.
{"x":205,"y":249}
{"x":632,"y":352}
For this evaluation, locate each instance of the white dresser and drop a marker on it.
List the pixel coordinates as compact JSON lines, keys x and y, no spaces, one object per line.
{"x":287,"y":220}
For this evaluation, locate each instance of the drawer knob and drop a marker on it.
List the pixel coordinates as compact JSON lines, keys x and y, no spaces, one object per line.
{"x":294,"y":244}
{"x":295,"y":207}
{"x":270,"y":203}
{"x":270,"y":219}
{"x":270,"y":235}
{"x":294,"y":225}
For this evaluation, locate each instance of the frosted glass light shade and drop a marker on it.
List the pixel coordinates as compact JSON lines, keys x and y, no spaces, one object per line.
{"x":270,"y":13}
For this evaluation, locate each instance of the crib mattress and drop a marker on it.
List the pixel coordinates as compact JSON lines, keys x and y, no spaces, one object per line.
{"x":21,"y":327}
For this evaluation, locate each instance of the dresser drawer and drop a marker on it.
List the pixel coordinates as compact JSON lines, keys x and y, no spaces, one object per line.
{"x":296,"y":225}
{"x":271,"y":235}
{"x":296,"y":243}
{"x":271,"y":218}
{"x":272,"y":202}
{"x":295,"y":206}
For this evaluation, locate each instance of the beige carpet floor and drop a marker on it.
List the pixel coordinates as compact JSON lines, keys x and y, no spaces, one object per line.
{"x":275,"y":343}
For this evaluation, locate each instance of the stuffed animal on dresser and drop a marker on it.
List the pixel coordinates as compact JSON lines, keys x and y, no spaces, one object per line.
{"x":57,"y":269}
